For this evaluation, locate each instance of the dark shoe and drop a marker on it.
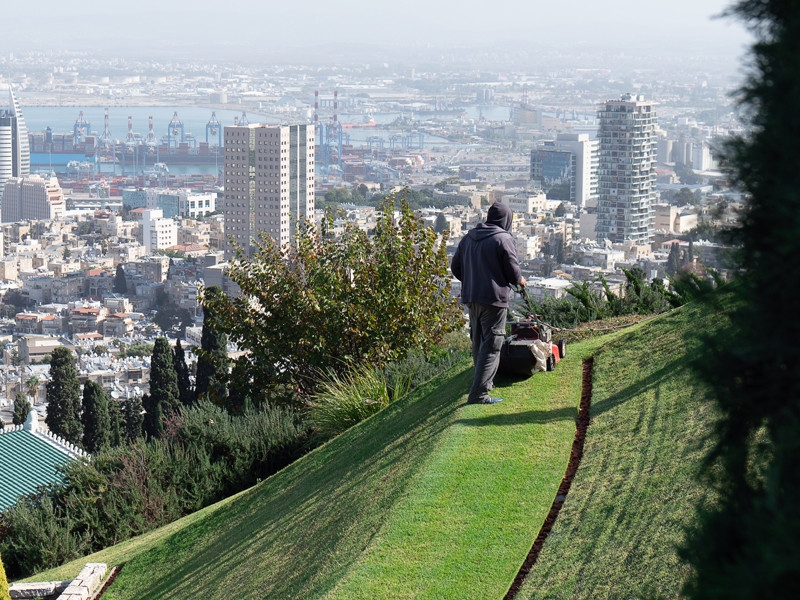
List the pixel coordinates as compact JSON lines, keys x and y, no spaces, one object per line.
{"x":486,"y":400}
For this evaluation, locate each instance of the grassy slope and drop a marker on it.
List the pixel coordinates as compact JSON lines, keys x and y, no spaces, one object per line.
{"x":428,"y":499}
{"x":635,"y":491}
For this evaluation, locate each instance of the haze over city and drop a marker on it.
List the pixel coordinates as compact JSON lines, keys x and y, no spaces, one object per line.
{"x":364,"y":31}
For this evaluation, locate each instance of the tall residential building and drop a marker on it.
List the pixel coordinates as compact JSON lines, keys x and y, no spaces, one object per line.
{"x":269,"y":182}
{"x":15,"y":156}
{"x":32,"y":198}
{"x":571,"y":159}
{"x":627,"y":174}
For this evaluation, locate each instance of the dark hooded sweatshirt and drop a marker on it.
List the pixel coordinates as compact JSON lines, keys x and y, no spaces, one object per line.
{"x":486,"y":260}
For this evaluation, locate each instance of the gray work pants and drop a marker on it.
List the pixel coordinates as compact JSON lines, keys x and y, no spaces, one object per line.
{"x":487,"y":328}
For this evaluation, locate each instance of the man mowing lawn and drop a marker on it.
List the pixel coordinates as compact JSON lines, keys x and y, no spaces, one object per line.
{"x":486,"y":264}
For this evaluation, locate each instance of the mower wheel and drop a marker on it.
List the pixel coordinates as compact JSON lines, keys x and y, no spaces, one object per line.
{"x":562,"y":347}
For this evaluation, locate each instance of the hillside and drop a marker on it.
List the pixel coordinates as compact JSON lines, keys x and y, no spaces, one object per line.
{"x":432,"y":498}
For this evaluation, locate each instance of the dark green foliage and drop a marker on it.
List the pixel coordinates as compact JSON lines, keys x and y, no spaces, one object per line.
{"x":639,"y":297}
{"x":153,"y":418}
{"x":185,"y":390}
{"x":212,"y":359}
{"x":21,"y":408}
{"x":441,"y":223}
{"x":746,"y":546}
{"x":95,"y":418}
{"x":170,"y":317}
{"x":132,"y":489}
{"x":164,"y":397}
{"x":133,"y":418}
{"x":63,"y":397}
{"x":325,"y":302}
{"x":116,"y":433}
{"x":674,"y":259}
{"x":120,"y":282}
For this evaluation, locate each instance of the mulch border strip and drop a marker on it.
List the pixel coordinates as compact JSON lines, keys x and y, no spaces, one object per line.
{"x":581,"y":427}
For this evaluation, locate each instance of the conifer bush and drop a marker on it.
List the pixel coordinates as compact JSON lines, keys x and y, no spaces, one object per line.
{"x":205,"y":456}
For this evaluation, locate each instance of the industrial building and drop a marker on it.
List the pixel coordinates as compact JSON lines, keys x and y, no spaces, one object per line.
{"x":627,"y":175}
{"x":269,"y":182}
{"x":15,"y":157}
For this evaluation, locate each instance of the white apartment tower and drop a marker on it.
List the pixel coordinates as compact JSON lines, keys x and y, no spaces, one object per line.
{"x":32,"y":198}
{"x":627,"y":174}
{"x":15,"y":157}
{"x":269,"y":182}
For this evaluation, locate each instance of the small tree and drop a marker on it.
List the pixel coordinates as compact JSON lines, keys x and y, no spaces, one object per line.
{"x":95,"y":418}
{"x":63,"y":397}
{"x":164,"y":397}
{"x":120,"y":281}
{"x":21,"y":408}
{"x":324,"y":301}
{"x":32,"y":383}
{"x":212,"y":358}
{"x":185,"y":390}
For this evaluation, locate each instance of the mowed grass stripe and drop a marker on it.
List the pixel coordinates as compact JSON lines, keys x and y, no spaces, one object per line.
{"x":472,"y":513}
{"x":636,"y":489}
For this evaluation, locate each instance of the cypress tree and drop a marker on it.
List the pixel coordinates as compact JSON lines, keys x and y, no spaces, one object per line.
{"x":115,"y":415}
{"x":120,"y":282}
{"x":182,"y":371}
{"x":746,"y":544}
{"x":21,"y":408}
{"x":95,"y":418}
{"x":164,"y":397}
{"x":153,"y":418}
{"x":63,"y":397}
{"x":133,"y":417}
{"x":212,"y":361}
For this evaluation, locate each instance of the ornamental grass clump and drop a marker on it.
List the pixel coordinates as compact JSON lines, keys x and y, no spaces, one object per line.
{"x":342,"y":400}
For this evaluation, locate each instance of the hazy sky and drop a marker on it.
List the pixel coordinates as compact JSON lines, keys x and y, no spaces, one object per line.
{"x":269,"y":27}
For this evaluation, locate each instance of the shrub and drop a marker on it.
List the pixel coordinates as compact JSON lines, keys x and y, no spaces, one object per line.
{"x":4,"y":595}
{"x":342,"y":400}
{"x":324,"y":303}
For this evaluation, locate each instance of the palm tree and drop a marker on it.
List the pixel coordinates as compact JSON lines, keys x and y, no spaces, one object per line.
{"x":32,"y":383}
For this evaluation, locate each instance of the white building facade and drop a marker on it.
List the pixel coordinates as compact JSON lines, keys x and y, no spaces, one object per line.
{"x":32,"y":198}
{"x":269,"y":182}
{"x":158,"y":233}
{"x":15,"y":157}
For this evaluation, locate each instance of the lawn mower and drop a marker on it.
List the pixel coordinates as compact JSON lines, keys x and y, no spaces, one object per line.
{"x":530,"y":347}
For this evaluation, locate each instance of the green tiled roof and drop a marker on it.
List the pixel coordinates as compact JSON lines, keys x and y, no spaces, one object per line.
{"x":26,"y":462}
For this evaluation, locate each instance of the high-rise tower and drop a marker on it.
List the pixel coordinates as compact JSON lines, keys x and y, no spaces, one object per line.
{"x":627,"y":175}
{"x":15,"y":156}
{"x":269,"y":182}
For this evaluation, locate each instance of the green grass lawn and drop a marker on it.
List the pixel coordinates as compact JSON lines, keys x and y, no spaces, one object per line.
{"x":430,"y":498}
{"x":635,"y":491}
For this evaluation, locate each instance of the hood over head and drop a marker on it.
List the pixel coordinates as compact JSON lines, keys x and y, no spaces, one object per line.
{"x":500,"y":214}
